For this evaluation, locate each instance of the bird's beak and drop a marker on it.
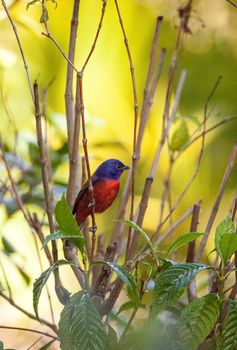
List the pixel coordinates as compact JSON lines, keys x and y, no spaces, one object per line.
{"x":125,"y":167}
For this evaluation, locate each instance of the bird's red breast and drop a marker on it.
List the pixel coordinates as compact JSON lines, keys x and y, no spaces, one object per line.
{"x":105,"y":192}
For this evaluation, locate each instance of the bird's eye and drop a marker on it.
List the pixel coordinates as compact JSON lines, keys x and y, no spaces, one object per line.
{"x":119,"y":167}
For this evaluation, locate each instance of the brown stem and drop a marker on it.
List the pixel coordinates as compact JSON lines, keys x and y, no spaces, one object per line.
{"x":146,"y":105}
{"x":100,"y":286}
{"x":96,"y":36}
{"x":174,"y":225}
{"x":61,"y":292}
{"x":30,"y":330}
{"x":33,"y":317}
{"x":232,"y":3}
{"x":84,"y":142}
{"x":69,"y":77}
{"x":20,"y":47}
{"x":134,"y":89}
{"x":147,"y":187}
{"x":74,"y":180}
{"x":216,"y":205}
{"x":192,"y":290}
{"x":199,"y":158}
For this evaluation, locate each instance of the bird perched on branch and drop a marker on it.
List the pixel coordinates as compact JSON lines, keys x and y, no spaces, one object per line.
{"x":105,"y":182}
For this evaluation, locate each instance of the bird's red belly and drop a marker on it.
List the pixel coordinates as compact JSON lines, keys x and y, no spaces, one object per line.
{"x":104,"y":194}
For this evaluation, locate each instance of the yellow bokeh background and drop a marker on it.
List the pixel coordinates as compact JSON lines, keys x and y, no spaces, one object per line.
{"x":208,"y":52}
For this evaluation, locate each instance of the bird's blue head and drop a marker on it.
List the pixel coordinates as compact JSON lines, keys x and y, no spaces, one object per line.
{"x":111,"y":169}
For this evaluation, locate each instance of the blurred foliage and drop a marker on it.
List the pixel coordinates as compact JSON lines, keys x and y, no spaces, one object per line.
{"x":209,"y":51}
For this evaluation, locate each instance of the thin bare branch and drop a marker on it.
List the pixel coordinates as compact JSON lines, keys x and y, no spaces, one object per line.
{"x":74,"y":160}
{"x":84,"y":142}
{"x":134,"y":88}
{"x":61,"y":292}
{"x":232,"y":3}
{"x":20,"y":47}
{"x":96,"y":35}
{"x":216,"y":205}
{"x":30,"y":315}
{"x":146,"y":106}
{"x":30,"y":330}
{"x":216,"y":84}
{"x":69,"y":102}
{"x":192,"y":290}
{"x":173,"y":227}
{"x":147,"y":187}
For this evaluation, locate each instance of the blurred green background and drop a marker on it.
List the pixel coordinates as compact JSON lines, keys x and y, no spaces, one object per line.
{"x":208,"y":52}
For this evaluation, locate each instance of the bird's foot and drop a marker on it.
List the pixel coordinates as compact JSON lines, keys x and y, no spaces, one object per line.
{"x":93,"y":229}
{"x":91,"y":203}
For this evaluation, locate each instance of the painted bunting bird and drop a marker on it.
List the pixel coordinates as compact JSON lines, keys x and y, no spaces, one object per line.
{"x":106,"y":182}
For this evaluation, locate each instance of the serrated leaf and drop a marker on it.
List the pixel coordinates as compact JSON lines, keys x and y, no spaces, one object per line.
{"x":197,"y":320}
{"x":225,"y":227}
{"x":183,"y":240}
{"x":171,"y":282}
{"x":66,"y":221}
{"x":143,"y":233}
{"x":77,"y":240}
{"x":80,"y":326}
{"x":229,"y":331}
{"x":228,"y":246}
{"x":180,"y":137}
{"x":41,"y":281}
{"x":123,"y":274}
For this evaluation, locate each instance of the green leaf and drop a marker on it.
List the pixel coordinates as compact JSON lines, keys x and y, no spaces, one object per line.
{"x":66,"y":221}
{"x":229,"y":331}
{"x":123,"y":274}
{"x":131,"y":304}
{"x":31,"y":3}
{"x":8,"y":247}
{"x":180,"y":137}
{"x":111,"y":339}
{"x":44,"y":16}
{"x":80,"y":326}
{"x":171,"y":282}
{"x":183,"y":240}
{"x":143,"y":233}
{"x":1,"y":345}
{"x":77,"y":240}
{"x":23,"y":274}
{"x":197,"y":320}
{"x":46,"y":346}
{"x":41,"y":281}
{"x":228,"y":246}
{"x":225,"y":227}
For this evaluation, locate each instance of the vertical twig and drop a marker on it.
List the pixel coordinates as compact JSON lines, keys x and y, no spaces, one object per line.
{"x":61,"y":292}
{"x":216,"y":205}
{"x":21,"y":49}
{"x":84,"y":142}
{"x":134,"y":88}
{"x":96,"y":35}
{"x":74,"y":179}
{"x":146,"y":105}
{"x":192,"y":290}
{"x":69,"y":79}
{"x":148,"y":183}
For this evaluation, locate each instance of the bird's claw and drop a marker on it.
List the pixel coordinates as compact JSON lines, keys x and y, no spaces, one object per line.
{"x":93,"y":229}
{"x":91,"y":203}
